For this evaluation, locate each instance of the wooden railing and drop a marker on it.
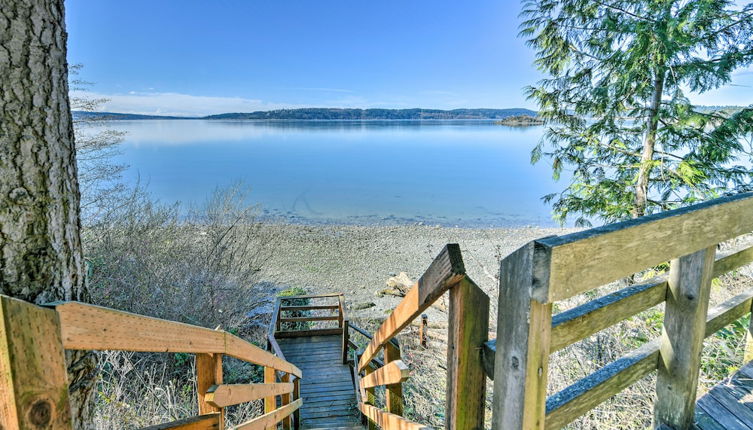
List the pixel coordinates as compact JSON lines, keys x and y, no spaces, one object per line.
{"x":467,"y":333}
{"x":552,"y":269}
{"x":34,"y":386}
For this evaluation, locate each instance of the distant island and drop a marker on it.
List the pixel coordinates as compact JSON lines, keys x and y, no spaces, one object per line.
{"x":521,"y":121}
{"x":331,"y":114}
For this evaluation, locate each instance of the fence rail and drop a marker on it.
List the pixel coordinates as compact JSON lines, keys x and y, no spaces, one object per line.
{"x":557,"y":268}
{"x":34,"y":338}
{"x":467,"y":332}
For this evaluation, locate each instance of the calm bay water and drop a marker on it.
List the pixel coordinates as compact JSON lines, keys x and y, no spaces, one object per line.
{"x":467,"y":173}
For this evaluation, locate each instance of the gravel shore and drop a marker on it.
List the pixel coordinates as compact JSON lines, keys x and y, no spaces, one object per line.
{"x":357,"y":260}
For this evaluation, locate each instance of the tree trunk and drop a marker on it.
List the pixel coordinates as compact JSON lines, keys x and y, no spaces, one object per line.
{"x":41,"y":257}
{"x":647,"y":155}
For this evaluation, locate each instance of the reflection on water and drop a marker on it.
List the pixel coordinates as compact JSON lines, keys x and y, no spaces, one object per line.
{"x":470,"y":173}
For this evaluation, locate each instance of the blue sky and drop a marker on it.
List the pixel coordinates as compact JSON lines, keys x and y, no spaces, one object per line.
{"x":201,"y":57}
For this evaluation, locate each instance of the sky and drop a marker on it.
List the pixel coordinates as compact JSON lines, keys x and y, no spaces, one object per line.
{"x":189,"y":57}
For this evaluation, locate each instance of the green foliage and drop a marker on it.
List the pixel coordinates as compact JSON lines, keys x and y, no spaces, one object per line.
{"x":616,"y":105}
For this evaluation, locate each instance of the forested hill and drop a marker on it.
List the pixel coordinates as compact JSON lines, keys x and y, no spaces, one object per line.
{"x":370,"y":114}
{"x":334,"y":114}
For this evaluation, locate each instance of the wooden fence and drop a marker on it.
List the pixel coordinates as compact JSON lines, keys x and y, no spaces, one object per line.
{"x":468,"y":327}
{"x":552,"y":269}
{"x":34,"y":386}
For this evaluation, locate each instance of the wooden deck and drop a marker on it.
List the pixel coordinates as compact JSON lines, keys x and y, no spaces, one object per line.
{"x":728,"y":405}
{"x":327,"y":390}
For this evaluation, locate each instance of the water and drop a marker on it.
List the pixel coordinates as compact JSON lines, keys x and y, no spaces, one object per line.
{"x":467,"y":173}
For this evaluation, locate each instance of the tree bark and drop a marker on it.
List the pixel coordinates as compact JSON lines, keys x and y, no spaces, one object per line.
{"x":41,"y":257}
{"x":649,"y":141}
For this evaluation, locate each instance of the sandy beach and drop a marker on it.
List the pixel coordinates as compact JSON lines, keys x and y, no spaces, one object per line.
{"x":357,"y":260}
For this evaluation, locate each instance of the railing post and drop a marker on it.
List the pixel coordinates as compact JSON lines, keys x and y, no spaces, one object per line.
{"x":285,"y":400}
{"x":270,"y":403}
{"x":423,"y":330}
{"x":370,"y":396}
{"x":341,"y":309}
{"x":296,"y":396}
{"x":345,"y":339}
{"x":33,"y":375}
{"x":524,"y":327}
{"x":682,"y":339}
{"x":748,"y":353}
{"x":208,"y":373}
{"x":393,"y":393}
{"x":468,"y":330}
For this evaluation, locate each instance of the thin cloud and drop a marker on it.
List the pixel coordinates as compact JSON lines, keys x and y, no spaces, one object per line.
{"x":323,"y":89}
{"x":177,"y":104}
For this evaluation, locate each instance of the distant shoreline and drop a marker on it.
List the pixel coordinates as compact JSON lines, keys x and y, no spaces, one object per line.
{"x":330,"y":114}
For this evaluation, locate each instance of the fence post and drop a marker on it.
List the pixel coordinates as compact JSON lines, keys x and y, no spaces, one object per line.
{"x":393,"y":393}
{"x":270,"y":403}
{"x":467,"y":332}
{"x":370,"y":396}
{"x":524,"y":327}
{"x":345,"y":339}
{"x":682,"y":339}
{"x":423,"y":330}
{"x":208,"y":373}
{"x":285,"y":400}
{"x":296,"y":396}
{"x":33,"y":375}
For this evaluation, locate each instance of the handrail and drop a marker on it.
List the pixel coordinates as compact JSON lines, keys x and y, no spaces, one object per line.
{"x":556,"y":268}
{"x":37,"y":369}
{"x":467,"y":332}
{"x":444,"y":272}
{"x":89,"y":327}
{"x":577,"y":262}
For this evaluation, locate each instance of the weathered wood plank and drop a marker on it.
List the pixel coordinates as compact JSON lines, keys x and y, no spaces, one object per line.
{"x":388,"y":421}
{"x":270,"y":419}
{"x":208,"y":375}
{"x":444,"y":272}
{"x":589,"y":392}
{"x":393,"y":372}
{"x":682,"y":338}
{"x":312,"y":318}
{"x":86,"y":326}
{"x":310,"y":296}
{"x":307,"y":333}
{"x":580,"y":322}
{"x":728,"y":312}
{"x":720,"y":414}
{"x":468,"y":330}
{"x":523,"y":339}
{"x":307,"y":308}
{"x":233,"y":394}
{"x":725,"y":396}
{"x":584,"y":260}
{"x":732,"y":260}
{"x":200,"y":422}
{"x":33,"y":378}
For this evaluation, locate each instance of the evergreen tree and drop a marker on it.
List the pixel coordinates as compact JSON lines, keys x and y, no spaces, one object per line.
{"x":615,"y":100}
